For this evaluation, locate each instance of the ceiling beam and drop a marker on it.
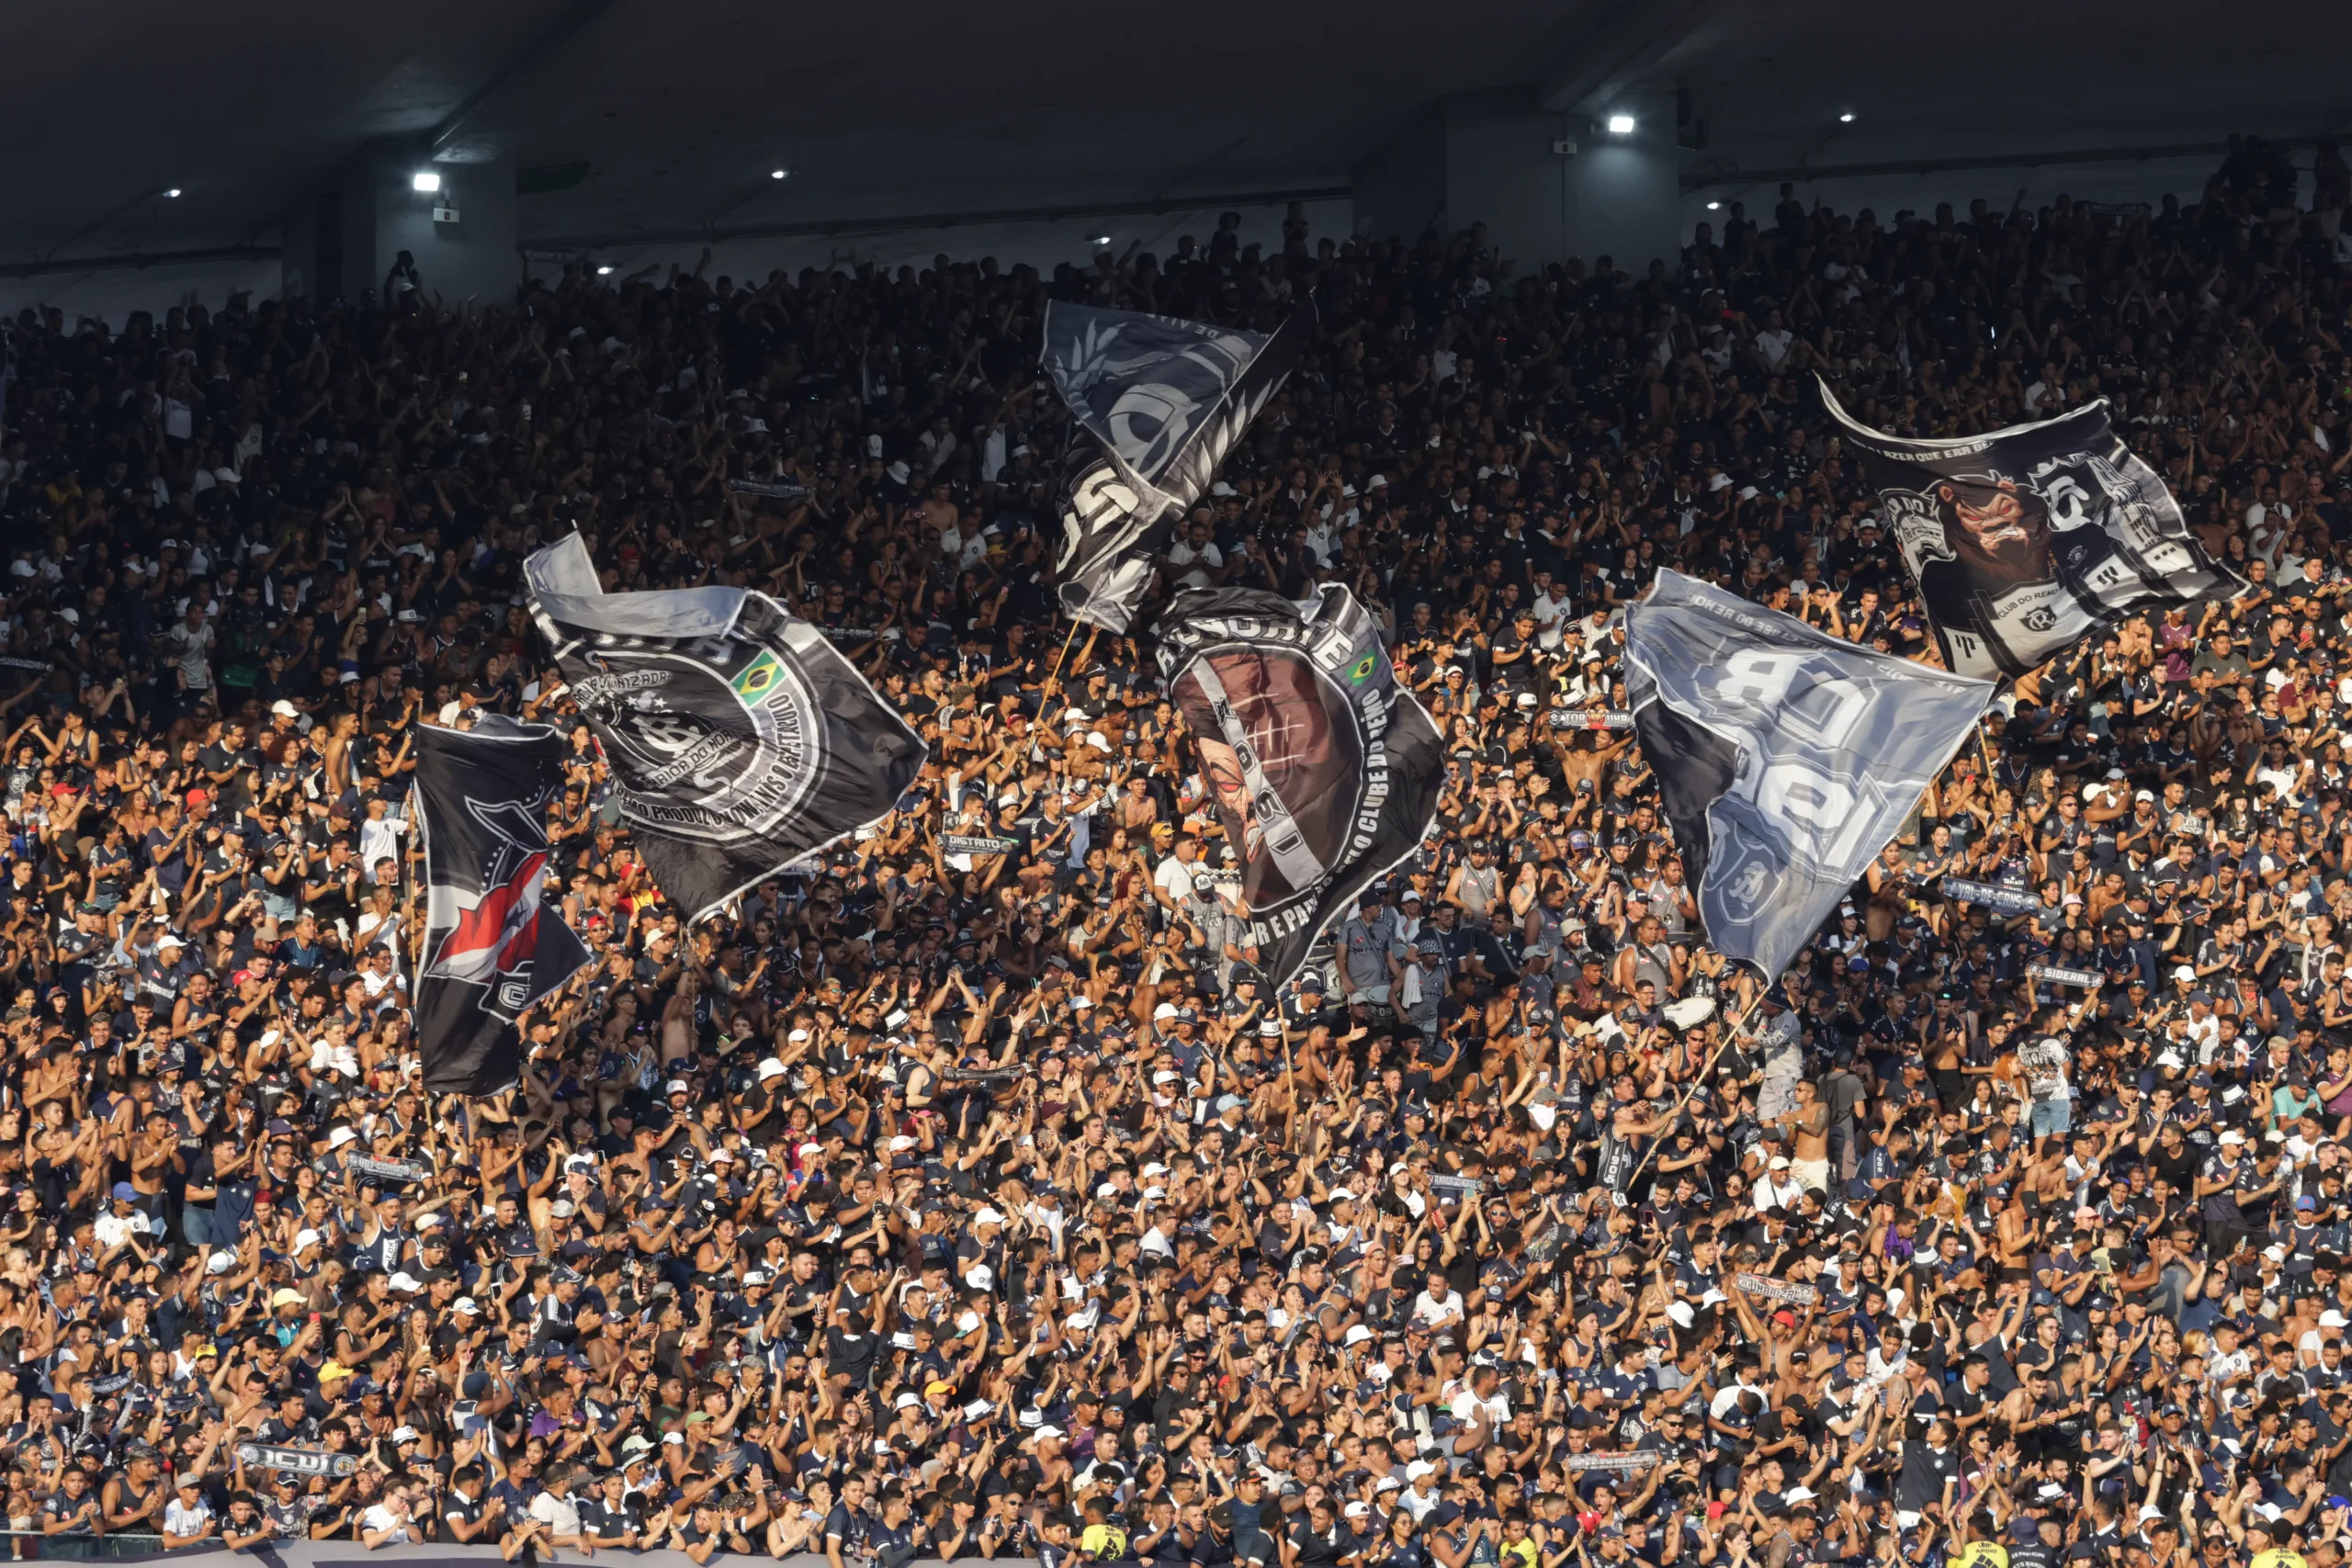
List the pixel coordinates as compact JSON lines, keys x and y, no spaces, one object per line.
{"x":1627,"y":40}
{"x":1719,"y":179}
{"x":815,"y":228}
{"x":136,"y":260}
{"x":576,"y":18}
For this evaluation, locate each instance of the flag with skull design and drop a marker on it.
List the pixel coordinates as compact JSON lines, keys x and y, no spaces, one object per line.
{"x":1166,"y":400}
{"x":1786,"y":757}
{"x":2024,"y":539}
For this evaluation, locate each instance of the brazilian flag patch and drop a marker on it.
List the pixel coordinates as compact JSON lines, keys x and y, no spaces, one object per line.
{"x":1365,"y":667}
{"x":757,"y":679}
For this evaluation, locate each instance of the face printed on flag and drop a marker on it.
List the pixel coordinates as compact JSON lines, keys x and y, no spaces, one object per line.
{"x":1324,"y":774}
{"x":490,"y":931}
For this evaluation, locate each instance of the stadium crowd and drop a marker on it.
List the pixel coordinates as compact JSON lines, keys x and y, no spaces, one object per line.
{"x":953,"y":1205}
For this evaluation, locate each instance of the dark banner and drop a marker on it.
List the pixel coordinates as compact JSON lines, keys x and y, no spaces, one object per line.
{"x":770,"y":489}
{"x":2024,"y":539}
{"x":492,"y":946}
{"x":1325,"y":771}
{"x":296,"y":1462}
{"x":1786,"y":758}
{"x":740,"y":738}
{"x":1990,"y":896}
{"x":1166,"y":400}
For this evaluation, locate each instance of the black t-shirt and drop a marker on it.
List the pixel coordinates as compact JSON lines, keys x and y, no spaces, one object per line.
{"x":1925,"y":1471}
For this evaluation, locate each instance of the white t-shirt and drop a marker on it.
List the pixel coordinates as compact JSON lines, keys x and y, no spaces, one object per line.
{"x":1433,"y":1309}
{"x":380,"y":1518}
{"x":1175,"y":878}
{"x":380,"y":838}
{"x":560,"y":1515}
{"x":1204,"y":562}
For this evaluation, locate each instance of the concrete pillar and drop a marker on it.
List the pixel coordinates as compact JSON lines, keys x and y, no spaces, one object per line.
{"x":343,"y":241}
{"x":1490,"y":158}
{"x":1624,"y":193}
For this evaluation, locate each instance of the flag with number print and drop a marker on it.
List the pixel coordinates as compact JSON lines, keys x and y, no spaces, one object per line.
{"x":1166,"y":400}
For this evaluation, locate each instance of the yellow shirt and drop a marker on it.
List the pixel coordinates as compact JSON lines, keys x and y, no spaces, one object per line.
{"x":2277,"y":1557}
{"x":1981,"y":1554}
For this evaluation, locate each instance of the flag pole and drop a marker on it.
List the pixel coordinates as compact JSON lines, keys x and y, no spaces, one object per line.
{"x":1070,"y":637}
{"x":1731,"y":1032}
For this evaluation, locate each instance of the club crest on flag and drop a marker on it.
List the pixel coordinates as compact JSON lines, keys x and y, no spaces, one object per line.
{"x":740,"y":738}
{"x":728,"y":721}
{"x":487,"y":933}
{"x":492,"y":946}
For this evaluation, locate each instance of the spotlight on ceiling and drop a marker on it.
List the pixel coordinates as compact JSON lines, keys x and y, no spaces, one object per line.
{"x":605,"y":270}
{"x":1620,"y":125}
{"x":425,"y":181}
{"x":1102,"y":238}
{"x":173,"y":192}
{"x":1714,"y":207}
{"x":778,"y":174}
{"x":1846,"y":119}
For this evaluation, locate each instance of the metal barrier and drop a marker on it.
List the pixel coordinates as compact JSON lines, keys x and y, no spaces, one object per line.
{"x":27,"y":1546}
{"x":122,"y":1546}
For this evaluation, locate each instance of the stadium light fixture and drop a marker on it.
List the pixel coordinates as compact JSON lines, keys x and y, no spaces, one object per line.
{"x":778,"y":174}
{"x":1714,"y":205}
{"x":424,"y":182}
{"x":173,"y":193}
{"x":1620,"y":125}
{"x":1846,"y":119}
{"x":605,"y":270}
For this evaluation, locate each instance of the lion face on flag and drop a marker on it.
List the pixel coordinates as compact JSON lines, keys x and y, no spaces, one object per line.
{"x":1988,"y":516}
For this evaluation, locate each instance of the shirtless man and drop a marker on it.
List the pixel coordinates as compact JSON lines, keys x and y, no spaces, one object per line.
{"x":1807,"y":1126}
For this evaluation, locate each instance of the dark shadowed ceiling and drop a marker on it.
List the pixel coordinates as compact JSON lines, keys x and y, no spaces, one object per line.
{"x":667,"y":116}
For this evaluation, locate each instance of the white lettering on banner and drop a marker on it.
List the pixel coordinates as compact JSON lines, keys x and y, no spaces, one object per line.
{"x":1791,"y":784}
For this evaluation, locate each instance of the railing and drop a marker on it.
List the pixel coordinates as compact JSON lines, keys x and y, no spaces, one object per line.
{"x":26,"y":1546}
{"x":127,"y":1545}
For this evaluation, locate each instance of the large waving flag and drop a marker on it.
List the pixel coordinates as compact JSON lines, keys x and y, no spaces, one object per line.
{"x":1787,"y":759}
{"x":2023,"y":540}
{"x":492,"y":946}
{"x":1166,"y":400}
{"x":1323,"y":770}
{"x":740,"y":738}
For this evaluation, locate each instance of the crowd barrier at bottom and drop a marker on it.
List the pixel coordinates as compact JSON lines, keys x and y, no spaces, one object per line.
{"x":351,"y":1554}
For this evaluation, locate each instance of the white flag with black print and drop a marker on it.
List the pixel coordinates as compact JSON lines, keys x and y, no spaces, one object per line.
{"x":1786,"y":758}
{"x":1166,"y":400}
{"x":740,"y":738}
{"x":2024,"y":540}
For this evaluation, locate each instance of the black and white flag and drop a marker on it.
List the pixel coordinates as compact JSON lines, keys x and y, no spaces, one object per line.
{"x":1786,"y":758}
{"x":492,"y":946}
{"x":1166,"y":400}
{"x":740,"y":738}
{"x":1325,"y":771}
{"x":2024,"y":540}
